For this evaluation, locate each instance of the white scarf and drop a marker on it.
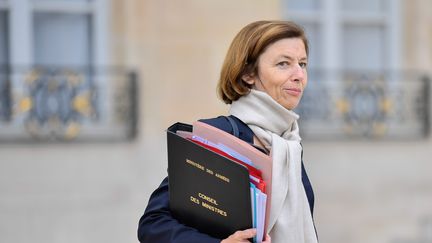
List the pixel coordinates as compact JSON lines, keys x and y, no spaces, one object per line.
{"x":276,"y":127}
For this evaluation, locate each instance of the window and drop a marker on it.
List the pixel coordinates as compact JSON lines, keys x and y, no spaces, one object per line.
{"x":62,"y":39}
{"x":356,"y":87}
{"x":58,"y":32}
{"x":349,"y":34}
{"x":55,"y":58}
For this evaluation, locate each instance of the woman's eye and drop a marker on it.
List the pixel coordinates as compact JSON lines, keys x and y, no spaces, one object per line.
{"x":283,"y":64}
{"x":303,"y":65}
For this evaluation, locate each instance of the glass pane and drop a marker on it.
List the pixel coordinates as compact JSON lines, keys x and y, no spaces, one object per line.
{"x":62,"y":39}
{"x":302,"y":4}
{"x":313,"y":33}
{"x":363,"y":47}
{"x":370,"y":6}
{"x":3,"y":38}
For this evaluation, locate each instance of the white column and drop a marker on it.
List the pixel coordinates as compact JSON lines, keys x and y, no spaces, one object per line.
{"x":21,"y":35}
{"x":100,"y":36}
{"x":104,"y":81}
{"x":331,"y":44}
{"x":20,"y":54}
{"x":394,"y":23}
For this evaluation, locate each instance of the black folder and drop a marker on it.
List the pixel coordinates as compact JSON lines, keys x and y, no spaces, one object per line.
{"x":207,"y":191}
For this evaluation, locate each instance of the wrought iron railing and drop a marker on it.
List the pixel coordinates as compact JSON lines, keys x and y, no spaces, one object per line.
{"x":365,"y":104}
{"x":67,"y":104}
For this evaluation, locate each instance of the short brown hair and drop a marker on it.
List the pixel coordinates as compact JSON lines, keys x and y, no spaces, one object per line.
{"x":246,"y":47}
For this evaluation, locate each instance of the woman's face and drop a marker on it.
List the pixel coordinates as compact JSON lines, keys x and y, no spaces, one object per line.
{"x":282,"y":72}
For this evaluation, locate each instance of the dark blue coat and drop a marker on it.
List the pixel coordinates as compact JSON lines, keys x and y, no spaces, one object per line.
{"x":158,"y":225}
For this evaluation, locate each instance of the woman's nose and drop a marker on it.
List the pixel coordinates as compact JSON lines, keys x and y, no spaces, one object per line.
{"x":298,"y":73}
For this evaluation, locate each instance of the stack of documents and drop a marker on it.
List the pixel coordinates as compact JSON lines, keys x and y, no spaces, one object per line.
{"x":218,"y":183}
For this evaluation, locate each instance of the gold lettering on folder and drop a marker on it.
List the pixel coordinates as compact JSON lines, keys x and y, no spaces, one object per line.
{"x":206,"y":203}
{"x":207,"y":198}
{"x":195,"y":200}
{"x":214,"y":209}
{"x":209,"y":171}
{"x":222,"y":177}
{"x":195,"y":164}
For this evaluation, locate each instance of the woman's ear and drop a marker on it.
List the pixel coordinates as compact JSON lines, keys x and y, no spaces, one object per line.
{"x":249,"y":79}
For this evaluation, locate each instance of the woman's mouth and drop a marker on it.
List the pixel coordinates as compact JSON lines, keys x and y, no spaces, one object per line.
{"x":293,"y":91}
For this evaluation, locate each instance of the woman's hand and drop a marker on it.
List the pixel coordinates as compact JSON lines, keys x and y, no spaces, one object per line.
{"x":240,"y":236}
{"x":267,"y":239}
{"x":243,"y":236}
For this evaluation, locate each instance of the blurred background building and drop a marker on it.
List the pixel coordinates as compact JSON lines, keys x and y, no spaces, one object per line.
{"x":87,"y":88}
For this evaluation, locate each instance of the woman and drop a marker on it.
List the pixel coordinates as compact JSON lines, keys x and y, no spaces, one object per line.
{"x":263,"y":78}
